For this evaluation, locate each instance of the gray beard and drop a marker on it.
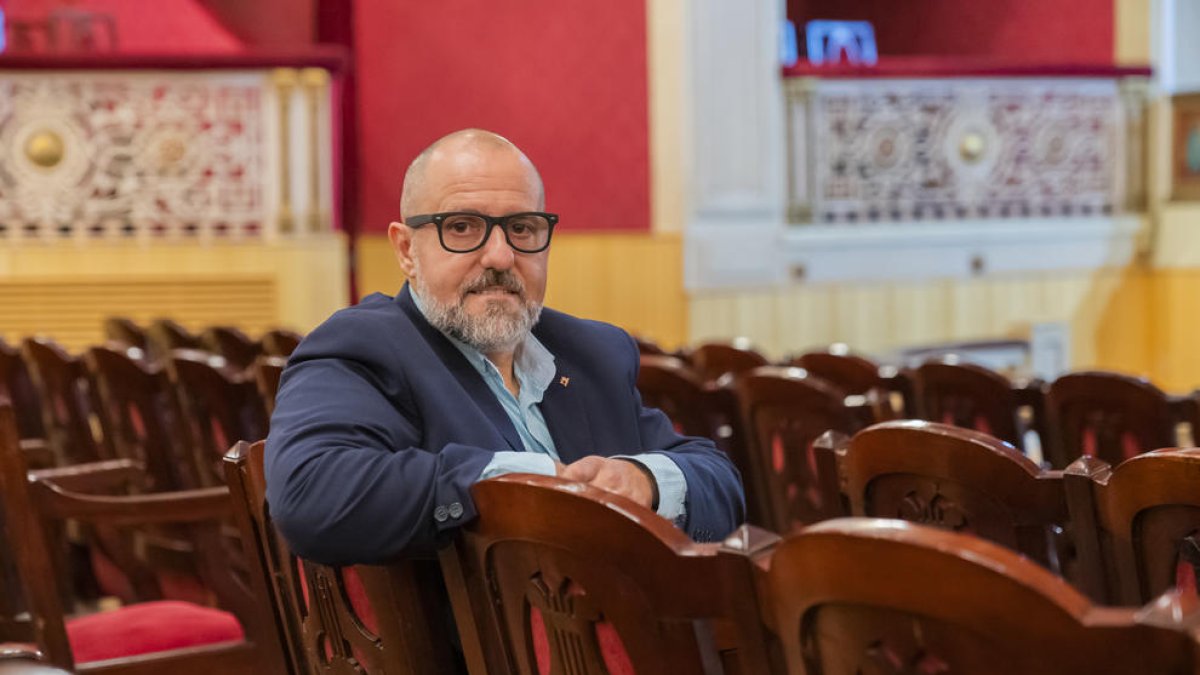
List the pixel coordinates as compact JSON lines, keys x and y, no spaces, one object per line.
{"x":498,"y":329}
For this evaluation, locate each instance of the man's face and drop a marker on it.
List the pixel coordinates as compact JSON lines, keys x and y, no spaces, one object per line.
{"x":489,"y":297}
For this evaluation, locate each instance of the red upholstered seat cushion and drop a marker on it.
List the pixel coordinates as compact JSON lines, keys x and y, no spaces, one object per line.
{"x":149,"y":627}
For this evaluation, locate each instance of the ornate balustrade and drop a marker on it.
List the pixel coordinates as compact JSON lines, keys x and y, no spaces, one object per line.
{"x":203,"y":188}
{"x":132,"y":148}
{"x":935,"y":143}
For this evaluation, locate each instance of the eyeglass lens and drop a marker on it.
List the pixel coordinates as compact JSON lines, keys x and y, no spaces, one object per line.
{"x":465,"y":232}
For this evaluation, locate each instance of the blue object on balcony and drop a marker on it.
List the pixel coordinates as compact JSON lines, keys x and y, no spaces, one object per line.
{"x":828,"y":40}
{"x":789,"y":49}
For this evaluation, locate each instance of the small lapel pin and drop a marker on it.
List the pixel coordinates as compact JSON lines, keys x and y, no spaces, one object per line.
{"x":564,"y":380}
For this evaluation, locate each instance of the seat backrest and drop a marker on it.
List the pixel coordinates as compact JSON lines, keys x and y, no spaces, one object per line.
{"x":968,"y":396}
{"x":68,"y":399}
{"x":714,"y":359}
{"x":232,"y":344}
{"x":667,"y":383}
{"x":37,"y":506}
{"x":280,"y":342}
{"x":361,"y":619}
{"x":124,"y":331}
{"x":219,"y":409}
{"x":139,"y":412}
{"x":1138,"y":524}
{"x":165,"y":336}
{"x":784,"y":410}
{"x":16,"y":385}
{"x":960,"y":480}
{"x":591,"y":582}
{"x":851,"y":373}
{"x":267,"y":371}
{"x":1107,"y":415}
{"x":884,"y":596}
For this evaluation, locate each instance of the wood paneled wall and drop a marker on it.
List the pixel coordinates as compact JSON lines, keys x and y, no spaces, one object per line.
{"x":66,"y":290}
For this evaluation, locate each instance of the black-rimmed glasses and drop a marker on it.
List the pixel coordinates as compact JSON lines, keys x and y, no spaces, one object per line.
{"x":463,"y":232}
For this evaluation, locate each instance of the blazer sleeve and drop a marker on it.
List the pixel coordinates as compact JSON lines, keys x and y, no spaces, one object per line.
{"x":715,"y":504}
{"x":347,"y":479}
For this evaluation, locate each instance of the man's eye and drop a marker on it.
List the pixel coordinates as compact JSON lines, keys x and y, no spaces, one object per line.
{"x":519,"y":228}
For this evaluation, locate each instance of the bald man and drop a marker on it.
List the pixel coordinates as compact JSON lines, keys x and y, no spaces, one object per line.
{"x":391,"y":410}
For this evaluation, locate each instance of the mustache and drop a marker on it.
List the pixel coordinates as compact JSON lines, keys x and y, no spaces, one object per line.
{"x":503,"y":279}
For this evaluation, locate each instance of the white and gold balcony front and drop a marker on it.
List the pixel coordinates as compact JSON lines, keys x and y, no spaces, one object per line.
{"x":204,"y":189}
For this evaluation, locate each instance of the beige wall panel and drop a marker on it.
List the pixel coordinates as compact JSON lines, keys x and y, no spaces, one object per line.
{"x":922,"y":313}
{"x":805,"y":319}
{"x":66,"y":290}
{"x":971,"y":316}
{"x":1107,"y":312}
{"x":1131,"y":23}
{"x":1175,"y":355}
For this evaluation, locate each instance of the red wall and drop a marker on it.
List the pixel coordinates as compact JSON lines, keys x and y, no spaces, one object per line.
{"x":1046,"y":31}
{"x":146,"y":26}
{"x":564,"y":80}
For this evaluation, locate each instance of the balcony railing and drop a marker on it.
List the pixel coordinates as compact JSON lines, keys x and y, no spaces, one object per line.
{"x":119,"y":147}
{"x":924,"y":144}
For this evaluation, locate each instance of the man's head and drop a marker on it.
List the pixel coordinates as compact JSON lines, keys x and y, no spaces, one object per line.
{"x":490,"y":297}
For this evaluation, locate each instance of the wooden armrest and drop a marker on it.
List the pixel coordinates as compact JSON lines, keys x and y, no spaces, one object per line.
{"x":183,"y":506}
{"x":37,"y":453}
{"x":93,"y":476}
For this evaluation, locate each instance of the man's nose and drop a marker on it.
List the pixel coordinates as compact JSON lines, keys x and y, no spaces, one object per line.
{"x":497,"y":254}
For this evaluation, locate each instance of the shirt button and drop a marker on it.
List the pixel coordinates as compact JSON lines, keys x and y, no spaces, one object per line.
{"x":456,"y":510}
{"x":440,"y":514}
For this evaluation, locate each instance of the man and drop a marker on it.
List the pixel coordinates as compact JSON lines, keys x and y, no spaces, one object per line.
{"x":390,"y":411}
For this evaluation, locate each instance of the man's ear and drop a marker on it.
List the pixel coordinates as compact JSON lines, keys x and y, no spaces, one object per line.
{"x":400,"y":235}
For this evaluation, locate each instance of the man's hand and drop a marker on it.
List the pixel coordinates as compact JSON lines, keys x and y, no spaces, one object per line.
{"x":614,"y":475}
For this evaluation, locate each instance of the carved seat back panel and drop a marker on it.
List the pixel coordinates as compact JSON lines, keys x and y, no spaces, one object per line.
{"x":1109,"y":416}
{"x":219,"y":409}
{"x":1139,"y":523}
{"x":968,"y":396}
{"x":876,"y":596}
{"x":140,"y":413}
{"x":68,"y":398}
{"x":341,"y":621}
{"x":956,"y":479}
{"x":784,"y":411}
{"x":667,"y":383}
{"x":607,"y":584}
{"x":714,"y":359}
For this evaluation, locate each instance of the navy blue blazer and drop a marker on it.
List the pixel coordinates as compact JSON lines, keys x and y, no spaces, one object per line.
{"x":381,"y":426}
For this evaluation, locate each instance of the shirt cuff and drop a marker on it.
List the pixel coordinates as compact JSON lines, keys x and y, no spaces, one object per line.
{"x":511,"y":461}
{"x":672,"y":486}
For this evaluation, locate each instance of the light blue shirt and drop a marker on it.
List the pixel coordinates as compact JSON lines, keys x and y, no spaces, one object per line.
{"x":533,"y":366}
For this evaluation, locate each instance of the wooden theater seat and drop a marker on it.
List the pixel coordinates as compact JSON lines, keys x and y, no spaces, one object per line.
{"x":956,"y":479}
{"x":853,"y":596}
{"x":154,"y":637}
{"x":361,"y":619}
{"x":974,"y":397}
{"x":784,"y":410}
{"x":714,"y":359}
{"x":1137,"y":524}
{"x":561,"y":577}
{"x":1107,"y":415}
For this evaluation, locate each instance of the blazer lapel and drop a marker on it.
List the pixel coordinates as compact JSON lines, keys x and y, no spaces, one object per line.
{"x":566,"y":416}
{"x":469,"y":378}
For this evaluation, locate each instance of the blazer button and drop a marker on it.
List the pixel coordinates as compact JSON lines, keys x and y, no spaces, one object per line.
{"x":440,"y":514}
{"x":456,"y":510}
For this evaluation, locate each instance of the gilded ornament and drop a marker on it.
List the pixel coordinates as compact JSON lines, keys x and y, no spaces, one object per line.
{"x":971,"y":146}
{"x":45,"y":149}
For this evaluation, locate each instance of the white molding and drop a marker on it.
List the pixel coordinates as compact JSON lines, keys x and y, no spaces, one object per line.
{"x":957,"y":250}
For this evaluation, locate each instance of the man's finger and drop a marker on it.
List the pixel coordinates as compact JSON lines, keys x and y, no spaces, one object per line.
{"x":583,"y":470}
